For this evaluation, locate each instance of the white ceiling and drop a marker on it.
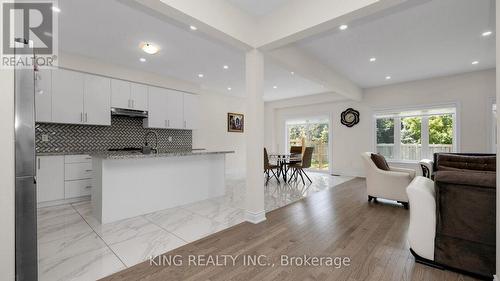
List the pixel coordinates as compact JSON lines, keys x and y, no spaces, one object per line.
{"x":258,"y":8}
{"x":435,"y":38}
{"x":111,"y":31}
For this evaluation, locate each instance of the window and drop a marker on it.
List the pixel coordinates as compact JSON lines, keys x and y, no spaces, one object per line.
{"x":414,"y":135}
{"x":311,"y":132}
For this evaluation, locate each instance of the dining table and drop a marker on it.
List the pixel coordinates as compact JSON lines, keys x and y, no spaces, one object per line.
{"x":283,"y":160}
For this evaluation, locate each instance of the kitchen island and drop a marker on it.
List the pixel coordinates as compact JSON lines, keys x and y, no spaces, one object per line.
{"x":129,"y":184}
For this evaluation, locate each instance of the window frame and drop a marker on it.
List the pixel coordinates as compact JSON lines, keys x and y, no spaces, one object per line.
{"x":424,"y":129}
{"x":320,"y":115}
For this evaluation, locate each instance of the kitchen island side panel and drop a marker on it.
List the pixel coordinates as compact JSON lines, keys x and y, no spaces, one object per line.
{"x":127,"y":188}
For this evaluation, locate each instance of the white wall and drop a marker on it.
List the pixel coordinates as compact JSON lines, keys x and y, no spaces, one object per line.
{"x":7,"y":242}
{"x":214,"y":107}
{"x":213,"y":134}
{"x":473,"y":91}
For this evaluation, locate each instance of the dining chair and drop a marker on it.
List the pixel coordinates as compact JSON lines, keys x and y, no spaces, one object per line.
{"x":298,"y":168}
{"x":268,"y":167}
{"x":295,"y":149}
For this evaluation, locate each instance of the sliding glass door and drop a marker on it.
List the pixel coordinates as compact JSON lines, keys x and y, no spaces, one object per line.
{"x":314,"y":132}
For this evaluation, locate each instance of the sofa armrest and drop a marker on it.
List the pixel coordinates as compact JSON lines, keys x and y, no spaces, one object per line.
{"x":422,"y":229}
{"x":411,"y":172}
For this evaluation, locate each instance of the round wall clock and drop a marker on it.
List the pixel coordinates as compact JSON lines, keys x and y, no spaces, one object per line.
{"x":349,"y":117}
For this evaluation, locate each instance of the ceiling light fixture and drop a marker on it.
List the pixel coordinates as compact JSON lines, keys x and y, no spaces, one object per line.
{"x":226,"y":67}
{"x":192,"y":27}
{"x":373,"y":59}
{"x":201,"y":75}
{"x":142,"y":59}
{"x":293,"y":73}
{"x":388,"y":78}
{"x":56,"y":9}
{"x":343,"y":27}
{"x":487,"y":33}
{"x":275,"y":87}
{"x":149,"y":48}
{"x":229,"y":88}
{"x":475,"y":62}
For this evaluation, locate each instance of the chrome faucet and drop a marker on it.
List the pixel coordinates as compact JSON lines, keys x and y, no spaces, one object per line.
{"x":146,"y":139}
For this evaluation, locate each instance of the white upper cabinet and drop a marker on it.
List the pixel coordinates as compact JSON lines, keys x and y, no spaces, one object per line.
{"x":67,"y":97}
{"x":191,"y":111}
{"x":97,"y":100}
{"x":157,"y":116}
{"x":43,"y":95}
{"x":139,"y":96}
{"x":129,"y":95}
{"x":174,"y":110}
{"x":120,"y":94}
{"x":79,"y":98}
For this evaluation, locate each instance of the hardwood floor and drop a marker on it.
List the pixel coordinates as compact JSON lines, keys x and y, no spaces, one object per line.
{"x":334,"y":223}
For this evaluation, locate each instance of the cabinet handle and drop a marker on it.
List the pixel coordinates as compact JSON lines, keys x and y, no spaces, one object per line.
{"x":88,"y":186}
{"x":88,"y":170}
{"x":185,"y":124}
{"x":81,"y":117}
{"x":86,"y":119}
{"x":38,"y":163}
{"x":128,"y":105}
{"x":133,"y":103}
{"x":88,"y":158}
{"x":169,"y":123}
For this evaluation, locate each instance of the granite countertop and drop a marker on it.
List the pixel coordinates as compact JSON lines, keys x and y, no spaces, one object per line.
{"x":123,"y":153}
{"x":62,"y":153}
{"x":138,"y":155}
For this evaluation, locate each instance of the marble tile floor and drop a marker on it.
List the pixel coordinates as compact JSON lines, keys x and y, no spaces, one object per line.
{"x":73,"y":245}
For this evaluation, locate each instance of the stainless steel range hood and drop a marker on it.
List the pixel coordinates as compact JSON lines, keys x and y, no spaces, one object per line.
{"x":129,"y":112}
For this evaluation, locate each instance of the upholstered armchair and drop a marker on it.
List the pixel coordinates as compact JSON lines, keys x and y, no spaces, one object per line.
{"x":390,"y":184}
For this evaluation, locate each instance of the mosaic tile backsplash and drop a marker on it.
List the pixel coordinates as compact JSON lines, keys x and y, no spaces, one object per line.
{"x":123,"y":132}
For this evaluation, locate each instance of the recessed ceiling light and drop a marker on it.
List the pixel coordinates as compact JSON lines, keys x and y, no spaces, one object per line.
{"x":293,"y":73}
{"x":226,"y":67}
{"x":487,"y":33}
{"x":149,"y":48}
{"x":343,"y":27}
{"x":373,"y":59}
{"x":275,"y":87}
{"x":388,"y":78}
{"x":192,"y":27}
{"x":56,"y":9}
{"x":142,"y":59}
{"x":201,"y":75}
{"x":229,"y":88}
{"x":475,"y":62}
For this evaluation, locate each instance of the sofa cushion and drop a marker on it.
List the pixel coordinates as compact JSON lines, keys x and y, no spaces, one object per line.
{"x":380,"y":162}
{"x":466,"y":162}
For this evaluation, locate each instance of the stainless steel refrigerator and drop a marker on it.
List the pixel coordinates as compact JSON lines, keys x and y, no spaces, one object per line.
{"x":25,"y":190}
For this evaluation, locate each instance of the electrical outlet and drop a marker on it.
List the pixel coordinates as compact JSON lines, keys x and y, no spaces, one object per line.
{"x":169,"y":139}
{"x":45,"y":138}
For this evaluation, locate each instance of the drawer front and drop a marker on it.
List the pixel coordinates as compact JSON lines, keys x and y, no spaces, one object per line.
{"x":83,"y":158}
{"x":77,"y":188}
{"x":77,"y":171}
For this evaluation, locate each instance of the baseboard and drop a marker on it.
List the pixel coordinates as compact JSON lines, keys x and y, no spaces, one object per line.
{"x":63,"y":201}
{"x":495,"y":278}
{"x":255,"y":218}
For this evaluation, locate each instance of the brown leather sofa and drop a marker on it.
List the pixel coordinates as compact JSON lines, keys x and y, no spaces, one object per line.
{"x":465,"y":186}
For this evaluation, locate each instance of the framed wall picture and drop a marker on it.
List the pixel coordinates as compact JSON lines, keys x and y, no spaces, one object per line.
{"x":235,"y":122}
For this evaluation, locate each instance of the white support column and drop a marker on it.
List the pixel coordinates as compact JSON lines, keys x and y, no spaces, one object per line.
{"x":254,"y":129}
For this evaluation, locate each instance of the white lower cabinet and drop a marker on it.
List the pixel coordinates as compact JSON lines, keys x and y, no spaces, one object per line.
{"x":50,"y":178}
{"x":77,"y":188}
{"x":78,"y":171}
{"x":63,"y":177}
